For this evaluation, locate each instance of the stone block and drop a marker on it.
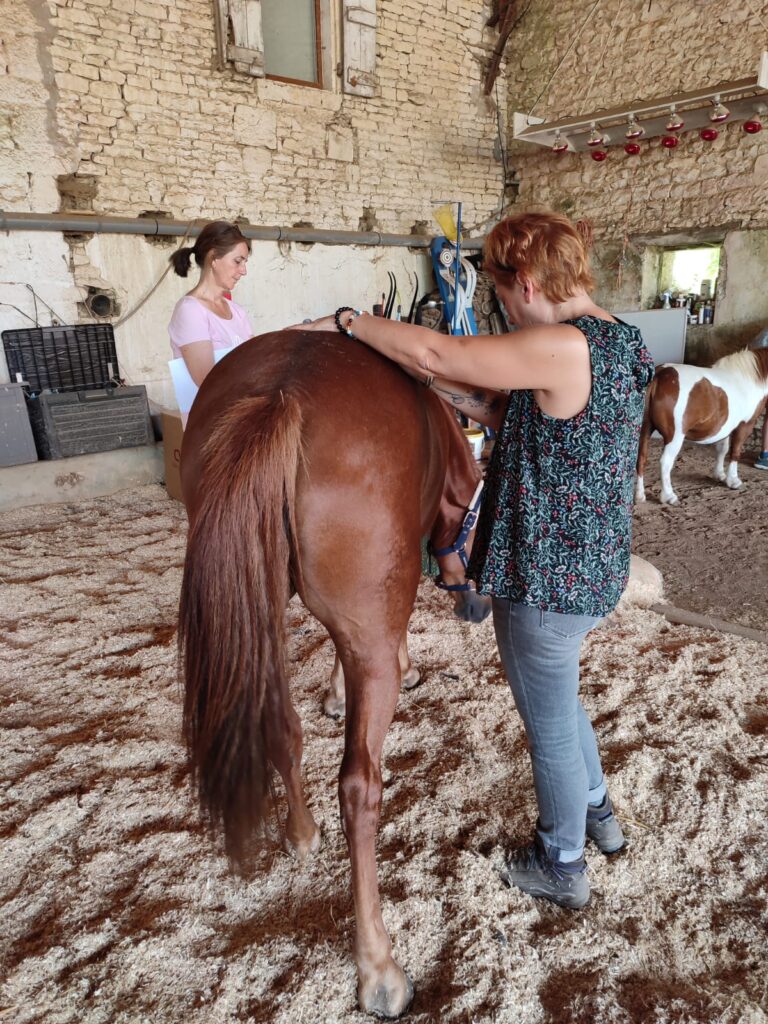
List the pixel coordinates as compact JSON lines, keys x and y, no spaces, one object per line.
{"x":255,"y":126}
{"x":340,"y":143}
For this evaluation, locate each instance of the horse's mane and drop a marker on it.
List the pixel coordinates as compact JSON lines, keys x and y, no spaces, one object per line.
{"x":744,"y":363}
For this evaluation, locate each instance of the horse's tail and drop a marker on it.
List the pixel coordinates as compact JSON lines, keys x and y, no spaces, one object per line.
{"x":241,"y":552}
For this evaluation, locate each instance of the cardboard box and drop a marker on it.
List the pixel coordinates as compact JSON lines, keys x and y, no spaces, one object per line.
{"x":173,"y":433}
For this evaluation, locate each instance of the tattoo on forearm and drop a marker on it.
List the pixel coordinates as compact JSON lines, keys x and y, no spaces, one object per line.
{"x":487,"y":401}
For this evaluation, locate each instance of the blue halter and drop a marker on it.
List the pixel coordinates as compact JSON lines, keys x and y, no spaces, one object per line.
{"x":459,"y":546}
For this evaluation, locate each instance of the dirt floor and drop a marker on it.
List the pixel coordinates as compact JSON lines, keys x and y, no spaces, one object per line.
{"x":712,"y":548}
{"x":115,"y":908}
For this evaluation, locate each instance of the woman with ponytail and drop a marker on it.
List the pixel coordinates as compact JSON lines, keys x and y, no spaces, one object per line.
{"x":565,"y":390}
{"x":206,"y":318}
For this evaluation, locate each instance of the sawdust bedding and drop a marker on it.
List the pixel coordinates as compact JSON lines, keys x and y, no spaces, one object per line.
{"x":117,"y":908}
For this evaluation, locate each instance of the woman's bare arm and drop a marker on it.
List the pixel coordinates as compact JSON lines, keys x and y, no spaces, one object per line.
{"x":198,"y":358}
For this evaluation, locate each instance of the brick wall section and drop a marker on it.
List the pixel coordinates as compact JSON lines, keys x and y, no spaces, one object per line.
{"x":635,"y":49}
{"x":139,"y":96}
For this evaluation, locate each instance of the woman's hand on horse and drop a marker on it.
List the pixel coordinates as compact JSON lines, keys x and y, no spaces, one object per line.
{"x":325,"y":323}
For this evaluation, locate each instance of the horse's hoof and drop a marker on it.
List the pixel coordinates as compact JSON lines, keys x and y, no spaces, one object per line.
{"x":303,"y":849}
{"x":671,"y":499}
{"x":411,"y":678}
{"x":334,"y":707}
{"x":733,"y":484}
{"x":385,"y":1000}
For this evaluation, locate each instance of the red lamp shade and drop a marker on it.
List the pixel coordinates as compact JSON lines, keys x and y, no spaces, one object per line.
{"x":598,"y":154}
{"x":753,"y":125}
{"x":670,"y":141}
{"x":708,"y":134}
{"x":632,"y":148}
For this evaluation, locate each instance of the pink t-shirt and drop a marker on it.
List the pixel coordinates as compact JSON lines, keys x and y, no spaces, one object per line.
{"x":192,"y":321}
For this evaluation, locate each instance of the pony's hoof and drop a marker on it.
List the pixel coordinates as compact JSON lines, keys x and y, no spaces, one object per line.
{"x":670,"y":499}
{"x":733,"y":484}
{"x":334,"y":706}
{"x":411,"y":678}
{"x":388,"y":998}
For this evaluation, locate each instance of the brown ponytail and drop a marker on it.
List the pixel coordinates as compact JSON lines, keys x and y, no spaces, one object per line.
{"x":181,"y":260}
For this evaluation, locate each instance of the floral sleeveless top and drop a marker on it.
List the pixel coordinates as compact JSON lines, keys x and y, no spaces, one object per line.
{"x":555,"y":525}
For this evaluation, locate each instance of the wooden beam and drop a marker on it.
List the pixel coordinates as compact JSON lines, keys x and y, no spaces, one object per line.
{"x":505,"y":17}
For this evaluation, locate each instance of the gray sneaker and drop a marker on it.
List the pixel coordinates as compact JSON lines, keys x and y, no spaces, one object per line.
{"x":604,"y":829}
{"x":532,"y":870}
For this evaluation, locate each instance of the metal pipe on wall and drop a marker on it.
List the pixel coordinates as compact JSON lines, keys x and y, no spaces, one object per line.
{"x":85,"y":223}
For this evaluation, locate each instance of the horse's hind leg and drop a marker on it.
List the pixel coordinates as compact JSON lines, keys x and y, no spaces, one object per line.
{"x":372,"y":674}
{"x":335,"y":700}
{"x":409,"y":674}
{"x":302,"y":836}
{"x":668,"y":456}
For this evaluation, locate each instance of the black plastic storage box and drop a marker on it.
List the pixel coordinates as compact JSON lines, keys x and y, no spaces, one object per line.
{"x":84,"y":422}
{"x":74,"y":358}
{"x":75,"y":400}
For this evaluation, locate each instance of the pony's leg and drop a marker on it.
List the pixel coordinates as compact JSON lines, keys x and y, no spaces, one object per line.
{"x":668,"y":456}
{"x":738,"y":437}
{"x":642,"y":458}
{"x":335,"y":699}
{"x":409,"y":674}
{"x":372,"y":674}
{"x":302,"y":836}
{"x":720,"y":449}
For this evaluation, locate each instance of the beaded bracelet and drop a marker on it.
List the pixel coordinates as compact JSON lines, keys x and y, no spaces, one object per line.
{"x":337,"y":317}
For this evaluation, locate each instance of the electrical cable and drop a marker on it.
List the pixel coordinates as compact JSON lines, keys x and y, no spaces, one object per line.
{"x":10,"y":305}
{"x":575,"y":39}
{"x":601,"y":58}
{"x":49,"y":308}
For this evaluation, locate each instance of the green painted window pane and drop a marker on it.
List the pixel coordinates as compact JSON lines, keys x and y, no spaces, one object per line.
{"x":290,"y":46}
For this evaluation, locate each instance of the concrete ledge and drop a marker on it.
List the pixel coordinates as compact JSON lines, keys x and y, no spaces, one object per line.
{"x":86,"y":476}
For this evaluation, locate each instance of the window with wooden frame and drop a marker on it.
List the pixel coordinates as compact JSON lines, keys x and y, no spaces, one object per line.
{"x":291,"y":41}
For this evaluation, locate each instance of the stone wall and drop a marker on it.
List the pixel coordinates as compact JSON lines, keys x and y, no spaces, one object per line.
{"x":633,"y":49}
{"x":141,"y":106}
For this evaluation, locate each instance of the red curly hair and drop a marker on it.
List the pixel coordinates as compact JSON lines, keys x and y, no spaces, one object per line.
{"x":547,"y":246}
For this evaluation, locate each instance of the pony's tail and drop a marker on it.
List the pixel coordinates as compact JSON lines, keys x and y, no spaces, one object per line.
{"x":646,"y":429}
{"x":241,"y":551}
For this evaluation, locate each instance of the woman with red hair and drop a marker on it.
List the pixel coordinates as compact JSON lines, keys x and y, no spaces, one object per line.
{"x":565,"y":392}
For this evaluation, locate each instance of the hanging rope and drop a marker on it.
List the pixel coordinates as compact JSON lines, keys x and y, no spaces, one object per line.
{"x":157,"y":283}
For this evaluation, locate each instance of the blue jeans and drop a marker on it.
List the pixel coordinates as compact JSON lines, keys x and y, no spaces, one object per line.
{"x":540,"y":654}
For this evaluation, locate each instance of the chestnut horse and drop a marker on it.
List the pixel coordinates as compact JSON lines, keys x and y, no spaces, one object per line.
{"x":708,"y":405}
{"x":310,"y":465}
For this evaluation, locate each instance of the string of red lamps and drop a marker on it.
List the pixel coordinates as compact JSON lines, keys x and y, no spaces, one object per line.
{"x":598,"y":139}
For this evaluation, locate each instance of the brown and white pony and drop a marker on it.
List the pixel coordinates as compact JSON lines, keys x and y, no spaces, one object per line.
{"x":310,"y":465}
{"x":707,"y":405}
